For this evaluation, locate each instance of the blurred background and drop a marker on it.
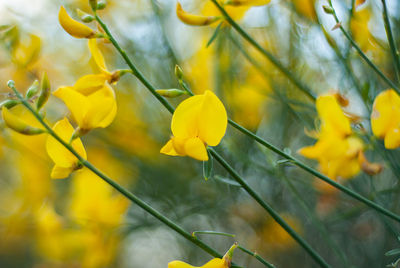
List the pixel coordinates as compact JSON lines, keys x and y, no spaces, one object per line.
{"x":82,"y":222}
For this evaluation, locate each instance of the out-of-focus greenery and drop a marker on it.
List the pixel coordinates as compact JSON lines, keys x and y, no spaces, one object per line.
{"x":82,"y":222}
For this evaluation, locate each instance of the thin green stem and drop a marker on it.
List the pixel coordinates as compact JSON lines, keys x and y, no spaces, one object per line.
{"x":269,"y":209}
{"x":315,"y":172}
{"x":132,"y":197}
{"x":361,"y":53}
{"x":250,"y":191}
{"x":392,"y":43}
{"x":305,"y":89}
{"x":212,"y":233}
{"x":255,"y":255}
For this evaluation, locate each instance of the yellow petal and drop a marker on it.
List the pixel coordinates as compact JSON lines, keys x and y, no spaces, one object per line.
{"x":168,"y":149}
{"x":248,"y":2}
{"x":88,"y":84}
{"x":332,"y":117}
{"x":77,"y":103}
{"x":214,"y":263}
{"x":61,"y":172}
{"x":57,"y":152}
{"x":179,"y":264}
{"x":24,"y":55}
{"x":212,"y":120}
{"x":195,"y":20}
{"x":17,"y":124}
{"x":196,"y":149}
{"x":386,"y":113}
{"x":184,"y":119}
{"x":73,"y":27}
{"x":392,"y":138}
{"x":102,"y":108}
{"x":97,"y":56}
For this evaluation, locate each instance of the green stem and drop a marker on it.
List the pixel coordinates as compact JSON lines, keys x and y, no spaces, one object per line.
{"x":255,"y":255}
{"x":392,"y":43}
{"x":361,"y":53}
{"x":250,"y":191}
{"x":118,"y":187}
{"x":269,"y":209}
{"x":315,"y":172}
{"x":305,"y":89}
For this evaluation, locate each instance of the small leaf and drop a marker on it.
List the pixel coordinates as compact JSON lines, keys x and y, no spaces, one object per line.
{"x":393,"y":252}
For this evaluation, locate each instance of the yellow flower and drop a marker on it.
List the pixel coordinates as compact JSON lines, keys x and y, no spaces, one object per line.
{"x":306,"y":8}
{"x":65,"y":161}
{"x":336,"y":150}
{"x":360,"y":30}
{"x":25,"y":54}
{"x":214,"y":263}
{"x":198,"y":121}
{"x":90,"y":109}
{"x":385,"y":118}
{"x":73,"y":27}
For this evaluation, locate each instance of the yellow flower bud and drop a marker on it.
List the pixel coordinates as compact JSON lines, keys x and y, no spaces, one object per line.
{"x":17,"y":124}
{"x":44,"y":92}
{"x":194,"y":20}
{"x":73,"y":27}
{"x":247,"y":2}
{"x":170,"y":93}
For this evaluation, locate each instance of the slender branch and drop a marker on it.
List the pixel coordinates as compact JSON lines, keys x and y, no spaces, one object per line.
{"x":392,"y":43}
{"x":361,"y":53}
{"x":255,"y":255}
{"x":132,"y":197}
{"x":254,"y":136}
{"x":305,"y":89}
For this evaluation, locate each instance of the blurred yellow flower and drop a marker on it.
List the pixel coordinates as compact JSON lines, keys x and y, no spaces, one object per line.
{"x":90,"y":109}
{"x":73,"y":27}
{"x":198,"y":121}
{"x":25,"y":54}
{"x":65,"y":161}
{"x":195,"y":20}
{"x":214,"y":263}
{"x":360,"y":30}
{"x":385,"y":118}
{"x":337,"y":149}
{"x":306,"y":8}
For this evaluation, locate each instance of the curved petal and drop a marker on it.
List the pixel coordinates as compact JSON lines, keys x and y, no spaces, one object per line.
{"x":61,"y":172}
{"x":392,"y":138}
{"x":179,"y":264}
{"x":97,"y":56}
{"x":386,"y":112}
{"x":73,"y":27}
{"x":102,"y":109}
{"x":212,"y":119}
{"x":168,"y":149}
{"x":196,"y":149}
{"x":57,"y":152}
{"x":76,"y":102}
{"x":88,"y":84}
{"x":184,"y":119}
{"x":332,"y":116}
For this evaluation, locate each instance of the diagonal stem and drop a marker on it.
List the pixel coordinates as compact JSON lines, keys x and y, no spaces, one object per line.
{"x":132,"y":197}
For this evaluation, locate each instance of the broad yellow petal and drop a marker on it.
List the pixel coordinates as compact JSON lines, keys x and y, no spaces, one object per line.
{"x":214,"y":263}
{"x":88,"y":84}
{"x":77,"y":103}
{"x":179,"y":264}
{"x":73,"y":27}
{"x":332,"y":116}
{"x":392,"y":138}
{"x":212,"y":119}
{"x":57,"y":152}
{"x":184,"y":119}
{"x":102,"y":109}
{"x":196,"y":149}
{"x":386,"y":112}
{"x":97,"y":56}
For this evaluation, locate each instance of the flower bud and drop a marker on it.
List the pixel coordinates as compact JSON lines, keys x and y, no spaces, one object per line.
{"x":178,"y":72}
{"x":101,"y":4}
{"x":33,"y":89}
{"x":328,"y":9}
{"x":93,"y":4}
{"x":170,"y":93}
{"x":15,"y":123}
{"x":85,"y":17}
{"x":44,"y":92}
{"x":11,"y":83}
